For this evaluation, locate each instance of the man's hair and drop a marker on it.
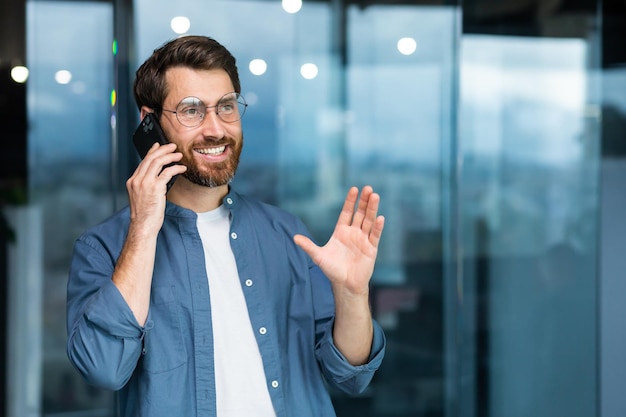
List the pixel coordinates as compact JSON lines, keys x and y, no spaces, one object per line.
{"x":196,"y":52}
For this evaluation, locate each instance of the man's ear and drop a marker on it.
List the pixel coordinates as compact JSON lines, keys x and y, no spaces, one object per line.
{"x":144,"y":111}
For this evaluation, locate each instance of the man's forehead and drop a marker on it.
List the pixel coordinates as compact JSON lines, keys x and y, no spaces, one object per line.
{"x":207,"y":85}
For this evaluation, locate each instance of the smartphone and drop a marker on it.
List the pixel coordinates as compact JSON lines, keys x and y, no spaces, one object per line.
{"x":147,"y":133}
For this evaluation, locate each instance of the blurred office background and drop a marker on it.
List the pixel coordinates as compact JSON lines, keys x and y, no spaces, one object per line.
{"x":494,"y":131}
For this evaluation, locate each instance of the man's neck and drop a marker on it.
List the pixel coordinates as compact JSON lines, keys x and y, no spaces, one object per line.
{"x":195,"y":197}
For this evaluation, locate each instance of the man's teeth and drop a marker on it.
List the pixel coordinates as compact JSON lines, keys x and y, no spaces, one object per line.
{"x":212,"y":151}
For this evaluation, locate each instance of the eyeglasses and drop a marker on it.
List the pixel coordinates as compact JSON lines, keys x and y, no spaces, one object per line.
{"x":191,"y":111}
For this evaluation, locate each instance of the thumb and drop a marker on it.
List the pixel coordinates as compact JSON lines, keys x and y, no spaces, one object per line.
{"x":306,"y":245}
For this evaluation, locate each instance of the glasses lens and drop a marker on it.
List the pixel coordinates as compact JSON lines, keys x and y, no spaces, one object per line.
{"x":231,"y":107}
{"x":190,"y":111}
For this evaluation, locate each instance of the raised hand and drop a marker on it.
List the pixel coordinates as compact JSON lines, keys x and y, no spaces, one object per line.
{"x":348,"y":258}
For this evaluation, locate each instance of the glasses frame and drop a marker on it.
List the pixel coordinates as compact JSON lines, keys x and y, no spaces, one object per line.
{"x":238,"y":98}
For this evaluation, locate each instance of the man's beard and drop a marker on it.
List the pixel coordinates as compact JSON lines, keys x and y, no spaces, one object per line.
{"x":218,"y":174}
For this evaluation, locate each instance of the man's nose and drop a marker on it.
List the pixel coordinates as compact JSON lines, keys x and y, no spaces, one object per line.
{"x":212,"y":125}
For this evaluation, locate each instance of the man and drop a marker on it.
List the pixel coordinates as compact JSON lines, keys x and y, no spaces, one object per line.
{"x":198,"y":301}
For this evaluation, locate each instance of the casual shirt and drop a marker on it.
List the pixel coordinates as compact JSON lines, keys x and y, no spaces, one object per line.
{"x":237,"y":362}
{"x":165,"y":368}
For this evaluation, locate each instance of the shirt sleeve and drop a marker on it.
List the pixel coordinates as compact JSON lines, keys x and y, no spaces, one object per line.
{"x":337,"y":370}
{"x":343,"y":375}
{"x":104,"y":338}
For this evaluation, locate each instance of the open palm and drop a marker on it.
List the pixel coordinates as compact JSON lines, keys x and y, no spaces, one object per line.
{"x":348,"y":258}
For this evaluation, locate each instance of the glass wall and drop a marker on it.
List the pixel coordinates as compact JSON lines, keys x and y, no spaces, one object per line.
{"x":69,"y":157}
{"x":481,"y":135}
{"x":529,"y":136}
{"x":529,"y":131}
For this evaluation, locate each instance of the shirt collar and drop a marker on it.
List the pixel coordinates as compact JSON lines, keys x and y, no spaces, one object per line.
{"x":230,"y":201}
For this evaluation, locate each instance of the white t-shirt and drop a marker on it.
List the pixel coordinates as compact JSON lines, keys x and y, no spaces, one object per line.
{"x":240,"y":382}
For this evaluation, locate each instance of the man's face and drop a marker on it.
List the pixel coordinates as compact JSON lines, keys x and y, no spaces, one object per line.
{"x":210,"y":150}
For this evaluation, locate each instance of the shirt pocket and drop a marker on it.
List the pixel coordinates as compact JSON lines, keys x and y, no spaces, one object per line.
{"x":164,"y":348}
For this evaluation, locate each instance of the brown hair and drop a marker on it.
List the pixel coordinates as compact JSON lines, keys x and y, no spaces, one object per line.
{"x":197,"y":52}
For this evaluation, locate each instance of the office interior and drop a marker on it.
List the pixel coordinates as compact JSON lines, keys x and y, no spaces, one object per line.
{"x":494,"y":131}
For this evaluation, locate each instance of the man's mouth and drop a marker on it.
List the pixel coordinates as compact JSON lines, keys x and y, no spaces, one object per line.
{"x":217,"y":150}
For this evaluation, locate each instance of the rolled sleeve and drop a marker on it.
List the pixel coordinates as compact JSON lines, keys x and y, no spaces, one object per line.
{"x":104,"y":338}
{"x":108,"y":311}
{"x":343,"y":375}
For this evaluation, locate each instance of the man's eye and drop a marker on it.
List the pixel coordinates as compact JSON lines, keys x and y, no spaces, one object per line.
{"x":190,"y":111}
{"x":226,"y":107}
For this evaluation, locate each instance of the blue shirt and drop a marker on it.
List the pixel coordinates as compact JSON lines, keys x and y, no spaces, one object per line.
{"x":165,"y":368}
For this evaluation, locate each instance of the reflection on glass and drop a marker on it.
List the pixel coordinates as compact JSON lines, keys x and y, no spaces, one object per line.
{"x":530,"y":192}
{"x":69,"y":168}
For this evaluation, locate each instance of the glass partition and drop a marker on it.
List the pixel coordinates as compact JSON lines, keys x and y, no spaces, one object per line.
{"x":529,"y":134}
{"x":401,"y":109}
{"x":69,"y":157}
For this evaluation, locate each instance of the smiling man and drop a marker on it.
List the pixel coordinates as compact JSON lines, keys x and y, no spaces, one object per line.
{"x":199,"y":301}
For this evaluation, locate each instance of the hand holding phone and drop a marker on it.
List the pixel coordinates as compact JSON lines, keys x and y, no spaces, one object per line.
{"x":147,"y":133}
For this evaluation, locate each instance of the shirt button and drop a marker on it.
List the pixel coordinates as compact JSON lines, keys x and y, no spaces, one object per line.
{"x":262,"y":330}
{"x":274,"y":384}
{"x":233,"y":235}
{"x":229,"y":200}
{"x":248,"y":283}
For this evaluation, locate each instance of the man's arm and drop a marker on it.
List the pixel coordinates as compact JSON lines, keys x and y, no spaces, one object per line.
{"x":348,"y":261}
{"x":108,"y":299}
{"x":104,"y":339}
{"x":146,"y":193}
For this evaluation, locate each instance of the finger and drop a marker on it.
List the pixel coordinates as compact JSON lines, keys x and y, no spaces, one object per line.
{"x":377,"y":231}
{"x":308,"y":246}
{"x":361,"y":209}
{"x":371,"y":211}
{"x":347,"y":211}
{"x":150,"y":161}
{"x":145,"y":162}
{"x":159,"y":158}
{"x":161,"y":148}
{"x":171,"y":171}
{"x":150,"y":171}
